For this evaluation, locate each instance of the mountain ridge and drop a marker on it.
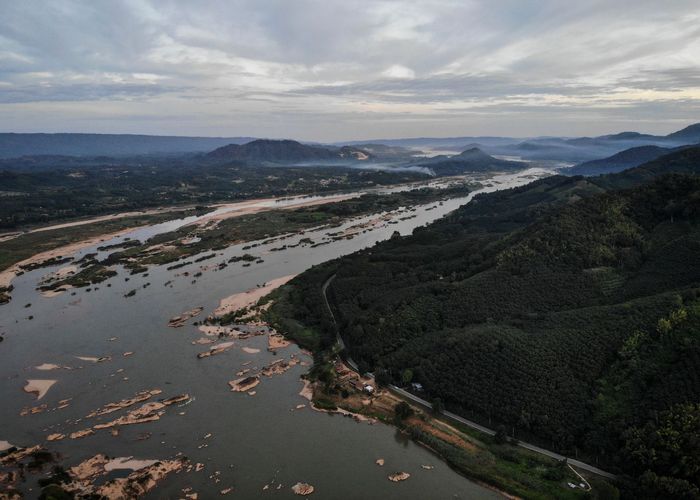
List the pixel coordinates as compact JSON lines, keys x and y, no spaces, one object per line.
{"x":14,"y":145}
{"x":285,"y":150}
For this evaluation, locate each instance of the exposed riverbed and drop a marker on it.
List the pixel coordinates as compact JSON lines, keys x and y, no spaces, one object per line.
{"x":101,"y":347}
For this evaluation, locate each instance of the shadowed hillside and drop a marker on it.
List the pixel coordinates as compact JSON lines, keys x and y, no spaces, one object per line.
{"x":566,"y":309}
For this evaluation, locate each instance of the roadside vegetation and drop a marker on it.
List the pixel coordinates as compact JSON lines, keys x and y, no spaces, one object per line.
{"x":493,"y":460}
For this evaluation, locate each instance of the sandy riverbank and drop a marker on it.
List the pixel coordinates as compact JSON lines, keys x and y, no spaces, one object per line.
{"x":246,"y":299}
{"x":7,"y":275}
{"x":229,"y":211}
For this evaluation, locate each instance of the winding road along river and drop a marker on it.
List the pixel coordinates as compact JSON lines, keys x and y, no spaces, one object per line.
{"x":259,"y":445}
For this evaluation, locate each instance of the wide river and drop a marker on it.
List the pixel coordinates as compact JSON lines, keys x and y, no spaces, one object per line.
{"x":252,"y":444}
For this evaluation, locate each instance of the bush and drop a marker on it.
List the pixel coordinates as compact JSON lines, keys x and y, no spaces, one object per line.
{"x":402,"y":411}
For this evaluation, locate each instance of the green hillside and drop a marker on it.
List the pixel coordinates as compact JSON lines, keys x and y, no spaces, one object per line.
{"x":566,"y":309}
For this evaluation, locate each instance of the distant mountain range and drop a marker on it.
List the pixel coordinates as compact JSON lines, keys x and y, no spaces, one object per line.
{"x":620,"y":161}
{"x":623,"y":160}
{"x":16,"y":145}
{"x":688,"y":135}
{"x":286,"y":151}
{"x":558,"y":149}
{"x":562,"y":149}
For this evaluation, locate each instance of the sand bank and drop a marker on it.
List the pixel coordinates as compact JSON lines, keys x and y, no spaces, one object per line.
{"x":47,"y":366}
{"x":302,"y":489}
{"x":278,"y":367}
{"x":9,"y":274}
{"x":127,"y":463}
{"x":39,"y":387}
{"x":147,"y":412}
{"x":246,"y":299}
{"x":231,"y":210}
{"x":244,"y":384}
{"x":94,"y":359}
{"x":178,"y":321}
{"x":147,"y":474}
{"x":125,"y":403}
{"x":217,"y":349}
{"x":399,"y":476}
{"x":276,"y":341}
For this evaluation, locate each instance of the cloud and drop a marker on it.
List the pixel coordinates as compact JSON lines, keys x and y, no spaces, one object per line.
{"x":398,"y":71}
{"x":331,"y":70}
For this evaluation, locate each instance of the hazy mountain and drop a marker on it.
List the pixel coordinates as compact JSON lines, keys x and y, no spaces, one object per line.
{"x":681,"y":161}
{"x":285,"y":151}
{"x":444,"y":143}
{"x":385,"y":152}
{"x":688,"y":135}
{"x":630,"y":136}
{"x":471,"y":160}
{"x":577,"y":149}
{"x":618,"y":162}
{"x":16,"y":145}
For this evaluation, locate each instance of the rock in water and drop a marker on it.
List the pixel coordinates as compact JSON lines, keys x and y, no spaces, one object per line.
{"x":399,"y":476}
{"x":303,"y":489}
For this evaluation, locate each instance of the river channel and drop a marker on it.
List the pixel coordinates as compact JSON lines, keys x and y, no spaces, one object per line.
{"x":259,"y":445}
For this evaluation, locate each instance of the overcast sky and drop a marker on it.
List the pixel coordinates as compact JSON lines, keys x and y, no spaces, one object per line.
{"x":331,"y":70}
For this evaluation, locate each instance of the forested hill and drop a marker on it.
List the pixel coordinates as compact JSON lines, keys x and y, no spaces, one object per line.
{"x":285,"y":151}
{"x":620,"y":161}
{"x":685,"y":161}
{"x":566,"y":309}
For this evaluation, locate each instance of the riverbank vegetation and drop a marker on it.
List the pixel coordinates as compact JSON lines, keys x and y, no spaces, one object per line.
{"x":201,"y":241}
{"x":565,"y":310}
{"x":23,"y":246}
{"x":492,"y":460}
{"x":40,"y":190}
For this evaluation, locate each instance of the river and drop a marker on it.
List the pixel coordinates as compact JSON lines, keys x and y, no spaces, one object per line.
{"x":244,"y":442}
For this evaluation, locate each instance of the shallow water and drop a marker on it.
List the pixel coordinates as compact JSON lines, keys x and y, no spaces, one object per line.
{"x":256,"y":440}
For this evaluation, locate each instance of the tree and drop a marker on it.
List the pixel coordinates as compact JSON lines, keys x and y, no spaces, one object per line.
{"x":382,"y":378}
{"x":669,"y":447}
{"x":407,"y":376}
{"x":501,"y":437}
{"x":362,"y":366}
{"x":402,"y":411}
{"x":438,"y":406}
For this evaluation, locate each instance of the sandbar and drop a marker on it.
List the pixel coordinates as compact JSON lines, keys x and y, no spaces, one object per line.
{"x":246,"y":299}
{"x":399,"y":476}
{"x":244,"y":384}
{"x":39,"y":387}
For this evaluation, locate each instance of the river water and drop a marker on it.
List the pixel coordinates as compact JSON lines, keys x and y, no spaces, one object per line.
{"x":255,"y":441}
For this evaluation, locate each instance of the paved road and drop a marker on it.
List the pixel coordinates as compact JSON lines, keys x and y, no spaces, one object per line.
{"x":452,"y":416}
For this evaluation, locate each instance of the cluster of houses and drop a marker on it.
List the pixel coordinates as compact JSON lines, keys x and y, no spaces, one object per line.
{"x":352,"y":379}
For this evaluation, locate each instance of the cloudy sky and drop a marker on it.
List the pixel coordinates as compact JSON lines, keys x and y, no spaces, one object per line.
{"x":349,"y":69}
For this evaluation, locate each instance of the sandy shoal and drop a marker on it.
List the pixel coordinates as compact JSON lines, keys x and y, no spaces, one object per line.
{"x":7,"y":275}
{"x":249,"y":298}
{"x":39,"y":387}
{"x":255,"y":206}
